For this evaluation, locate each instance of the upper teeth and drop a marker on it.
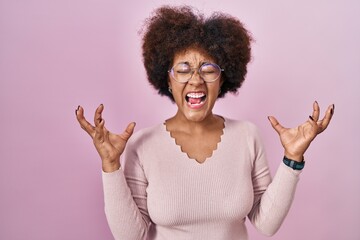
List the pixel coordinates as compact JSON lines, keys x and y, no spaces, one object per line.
{"x":195,"y":95}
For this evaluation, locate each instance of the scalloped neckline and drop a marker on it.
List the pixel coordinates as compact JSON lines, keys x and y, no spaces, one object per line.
{"x":206,"y":158}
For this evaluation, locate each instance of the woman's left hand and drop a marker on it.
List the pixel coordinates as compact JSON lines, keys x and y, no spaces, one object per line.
{"x":296,"y":140}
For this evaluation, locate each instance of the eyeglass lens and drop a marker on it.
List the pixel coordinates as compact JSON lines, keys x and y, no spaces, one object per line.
{"x":209,"y":72}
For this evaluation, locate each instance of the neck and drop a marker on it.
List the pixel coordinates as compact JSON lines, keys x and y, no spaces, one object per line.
{"x":181,"y":123}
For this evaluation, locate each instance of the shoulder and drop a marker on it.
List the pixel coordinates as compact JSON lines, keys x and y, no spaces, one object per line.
{"x":247,"y":134}
{"x":147,"y":133}
{"x":243,"y":129}
{"x":143,"y":141}
{"x":242,"y":126}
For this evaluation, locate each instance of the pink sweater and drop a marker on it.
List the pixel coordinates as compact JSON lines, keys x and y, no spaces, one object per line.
{"x":161,"y":194}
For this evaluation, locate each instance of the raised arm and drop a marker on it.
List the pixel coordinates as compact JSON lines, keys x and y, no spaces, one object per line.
{"x":125,"y":203}
{"x":272,"y":199}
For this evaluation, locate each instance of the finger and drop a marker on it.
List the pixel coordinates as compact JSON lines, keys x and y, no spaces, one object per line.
{"x":84,"y":124}
{"x":276,"y":125}
{"x":324,"y":123}
{"x":99,"y":132}
{"x":316,"y":111}
{"x":97,"y":115}
{"x":106,"y":134}
{"x":128,"y":131}
{"x":314,"y":126}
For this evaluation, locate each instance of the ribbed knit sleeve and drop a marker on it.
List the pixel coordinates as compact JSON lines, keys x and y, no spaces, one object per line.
{"x":125,"y":199}
{"x":272,"y":199}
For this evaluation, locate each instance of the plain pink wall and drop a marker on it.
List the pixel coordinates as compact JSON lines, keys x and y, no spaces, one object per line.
{"x":57,"y":54}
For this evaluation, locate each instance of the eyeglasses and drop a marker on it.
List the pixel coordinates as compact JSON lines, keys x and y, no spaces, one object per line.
{"x":182,"y":72}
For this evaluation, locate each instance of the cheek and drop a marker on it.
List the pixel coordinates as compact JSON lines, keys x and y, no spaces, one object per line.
{"x":177,"y":92}
{"x":215,"y":89}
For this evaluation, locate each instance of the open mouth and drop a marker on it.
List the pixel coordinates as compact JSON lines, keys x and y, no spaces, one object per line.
{"x":195,"y":98}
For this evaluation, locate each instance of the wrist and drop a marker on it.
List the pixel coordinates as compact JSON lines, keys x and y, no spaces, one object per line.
{"x":110,"y":167}
{"x":294,"y":157}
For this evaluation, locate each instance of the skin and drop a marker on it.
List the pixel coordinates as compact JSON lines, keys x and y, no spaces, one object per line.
{"x":190,"y":126}
{"x":185,"y":114}
{"x":109,"y":145}
{"x":297,"y":140}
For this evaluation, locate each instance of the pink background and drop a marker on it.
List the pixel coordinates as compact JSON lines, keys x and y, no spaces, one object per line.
{"x":57,"y":54}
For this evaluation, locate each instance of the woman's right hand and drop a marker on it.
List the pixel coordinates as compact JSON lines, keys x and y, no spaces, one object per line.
{"x":109,"y":145}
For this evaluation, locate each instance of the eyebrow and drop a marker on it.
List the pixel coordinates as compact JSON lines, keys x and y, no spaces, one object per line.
{"x":201,"y":63}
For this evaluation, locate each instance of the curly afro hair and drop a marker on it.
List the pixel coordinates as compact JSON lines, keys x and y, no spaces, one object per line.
{"x":171,"y":30}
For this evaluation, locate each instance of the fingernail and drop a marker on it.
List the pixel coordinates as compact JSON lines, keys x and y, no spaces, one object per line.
{"x":332,"y":109}
{"x":268,"y":118}
{"x":311,"y":118}
{"x":76,"y":110}
{"x":316,"y":102}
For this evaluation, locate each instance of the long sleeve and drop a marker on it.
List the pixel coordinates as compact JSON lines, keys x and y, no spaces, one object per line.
{"x":272,"y":199}
{"x":125,"y":199}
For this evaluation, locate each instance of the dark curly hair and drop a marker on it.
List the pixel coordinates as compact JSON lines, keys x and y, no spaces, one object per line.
{"x":171,"y":30}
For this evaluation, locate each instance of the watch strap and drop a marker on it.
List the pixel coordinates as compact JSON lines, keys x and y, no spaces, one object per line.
{"x":294,"y":164}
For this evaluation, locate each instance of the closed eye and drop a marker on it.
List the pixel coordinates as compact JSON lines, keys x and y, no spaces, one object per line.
{"x":183,"y":71}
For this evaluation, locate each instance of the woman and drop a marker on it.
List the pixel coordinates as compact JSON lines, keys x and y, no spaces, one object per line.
{"x":197,"y":175}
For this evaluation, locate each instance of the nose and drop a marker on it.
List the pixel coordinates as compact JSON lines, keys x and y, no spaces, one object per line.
{"x":196,"y":79}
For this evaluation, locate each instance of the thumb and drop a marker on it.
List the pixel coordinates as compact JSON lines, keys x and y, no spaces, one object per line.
{"x":128,"y":131}
{"x":275,"y":124}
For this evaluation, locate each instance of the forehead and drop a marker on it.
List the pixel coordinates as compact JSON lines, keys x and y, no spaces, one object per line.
{"x":193,"y":56}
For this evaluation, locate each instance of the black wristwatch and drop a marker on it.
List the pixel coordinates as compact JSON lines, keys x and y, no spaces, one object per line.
{"x":294,"y":164}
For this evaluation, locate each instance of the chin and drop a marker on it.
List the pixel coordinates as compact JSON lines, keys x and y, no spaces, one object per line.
{"x":196,"y":112}
{"x":197,"y":116}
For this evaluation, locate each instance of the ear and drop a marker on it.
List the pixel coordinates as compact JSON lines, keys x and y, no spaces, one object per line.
{"x":169,"y":83}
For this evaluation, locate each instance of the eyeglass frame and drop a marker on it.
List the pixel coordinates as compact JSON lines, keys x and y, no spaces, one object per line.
{"x":171,"y":71}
